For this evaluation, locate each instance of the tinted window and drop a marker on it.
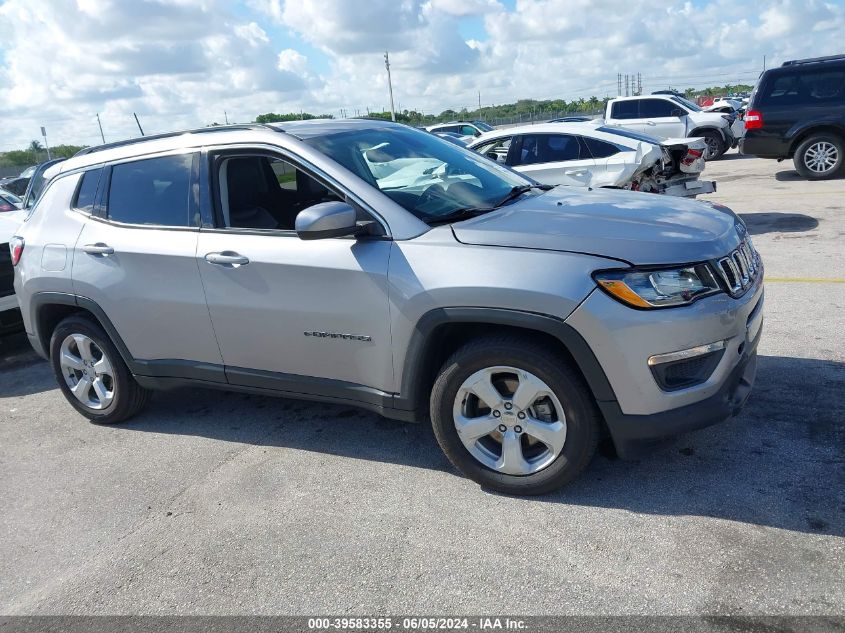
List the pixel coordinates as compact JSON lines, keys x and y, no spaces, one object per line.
{"x":656,"y":108}
{"x":468,"y":130}
{"x":806,"y":88}
{"x":624,"y":110}
{"x":548,"y":148}
{"x":88,"y":190}
{"x":600,"y":149}
{"x":152,"y":191}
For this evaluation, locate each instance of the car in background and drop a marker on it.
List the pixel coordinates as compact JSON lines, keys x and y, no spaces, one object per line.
{"x":38,"y":181}
{"x":9,"y":201}
{"x":797,"y":111}
{"x":452,"y":137}
{"x":670,"y":116}
{"x":10,"y":315}
{"x":468,"y":129}
{"x":590,"y":155}
{"x":571,"y":119}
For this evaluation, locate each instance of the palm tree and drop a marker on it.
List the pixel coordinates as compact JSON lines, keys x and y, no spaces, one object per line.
{"x":35,"y":147}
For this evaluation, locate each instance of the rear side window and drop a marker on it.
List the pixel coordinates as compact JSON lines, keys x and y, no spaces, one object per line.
{"x":806,"y":88}
{"x":548,"y":148}
{"x":624,"y":110}
{"x":656,"y":108}
{"x":600,"y":149}
{"x":152,"y":191}
{"x":87,"y":190}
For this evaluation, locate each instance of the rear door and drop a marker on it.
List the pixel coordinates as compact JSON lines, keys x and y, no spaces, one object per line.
{"x":555,"y":159}
{"x":136,"y":258}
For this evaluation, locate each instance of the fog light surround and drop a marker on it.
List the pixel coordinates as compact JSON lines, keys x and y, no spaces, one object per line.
{"x":686,"y":368}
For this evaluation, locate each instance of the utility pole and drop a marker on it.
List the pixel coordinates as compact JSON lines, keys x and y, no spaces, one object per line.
{"x":139,"y":124}
{"x":618,"y":84}
{"x":764,"y":63}
{"x":390,"y":86}
{"x":102,"y":136}
{"x":226,"y":117}
{"x":44,"y":134}
{"x":479,"y":101}
{"x":639,"y":84}
{"x":626,"y":86}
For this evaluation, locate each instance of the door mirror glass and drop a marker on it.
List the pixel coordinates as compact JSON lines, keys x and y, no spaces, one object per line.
{"x":326,"y":219}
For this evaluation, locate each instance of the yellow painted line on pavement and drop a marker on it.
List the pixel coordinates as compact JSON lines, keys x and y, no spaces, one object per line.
{"x":804,"y":280}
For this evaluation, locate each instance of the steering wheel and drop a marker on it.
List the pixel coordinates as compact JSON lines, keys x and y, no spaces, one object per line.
{"x":432,"y":192}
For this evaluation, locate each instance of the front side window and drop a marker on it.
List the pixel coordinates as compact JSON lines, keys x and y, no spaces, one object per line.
{"x":656,"y":108}
{"x":265,"y":192}
{"x":624,"y":110}
{"x":426,"y":175}
{"x":548,"y":148}
{"x":468,"y":130}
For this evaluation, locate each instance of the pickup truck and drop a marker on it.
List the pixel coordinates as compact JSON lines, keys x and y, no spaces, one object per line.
{"x":669,"y":116}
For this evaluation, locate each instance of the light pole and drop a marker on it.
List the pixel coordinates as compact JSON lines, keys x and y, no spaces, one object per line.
{"x":390,"y":86}
{"x":44,"y":134}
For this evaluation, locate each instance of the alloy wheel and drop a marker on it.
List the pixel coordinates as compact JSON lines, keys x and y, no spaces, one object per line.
{"x":509,"y":420}
{"x":821,"y":157}
{"x":87,"y":371}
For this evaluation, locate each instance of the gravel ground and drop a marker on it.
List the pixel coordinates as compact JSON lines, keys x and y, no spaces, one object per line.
{"x":215,"y":503}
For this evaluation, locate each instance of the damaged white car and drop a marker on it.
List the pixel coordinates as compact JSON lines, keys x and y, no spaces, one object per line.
{"x":593,"y":155}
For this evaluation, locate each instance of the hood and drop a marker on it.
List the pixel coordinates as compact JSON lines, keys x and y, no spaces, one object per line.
{"x":639,"y":228}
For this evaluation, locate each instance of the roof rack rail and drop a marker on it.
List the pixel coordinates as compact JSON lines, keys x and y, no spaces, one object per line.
{"x":811,"y":60}
{"x":155,"y":137}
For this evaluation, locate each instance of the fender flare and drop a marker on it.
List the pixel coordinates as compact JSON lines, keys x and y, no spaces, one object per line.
{"x":414,"y":364}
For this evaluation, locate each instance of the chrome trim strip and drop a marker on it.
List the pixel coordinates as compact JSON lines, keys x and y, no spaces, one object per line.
{"x":692,"y":352}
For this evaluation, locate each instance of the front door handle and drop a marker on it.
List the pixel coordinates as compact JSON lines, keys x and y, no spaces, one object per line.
{"x":650,"y":123}
{"x":98,"y":249}
{"x":227,"y":258}
{"x":575,"y":172}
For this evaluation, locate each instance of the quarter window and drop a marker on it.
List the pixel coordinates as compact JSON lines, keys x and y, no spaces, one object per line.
{"x":152,"y":191}
{"x":600,"y":149}
{"x":87,"y":190}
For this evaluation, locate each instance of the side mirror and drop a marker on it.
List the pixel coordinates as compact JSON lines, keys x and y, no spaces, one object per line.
{"x":678,"y":112}
{"x":326,"y":219}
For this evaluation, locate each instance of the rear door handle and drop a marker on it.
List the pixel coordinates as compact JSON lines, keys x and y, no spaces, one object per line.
{"x":227,"y":258}
{"x":98,"y":249}
{"x":650,"y":123}
{"x":575,"y":172}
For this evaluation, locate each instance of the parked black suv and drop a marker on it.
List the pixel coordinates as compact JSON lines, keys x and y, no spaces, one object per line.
{"x":798,"y":111}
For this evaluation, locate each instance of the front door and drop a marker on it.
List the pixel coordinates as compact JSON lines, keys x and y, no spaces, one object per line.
{"x":285,"y":309}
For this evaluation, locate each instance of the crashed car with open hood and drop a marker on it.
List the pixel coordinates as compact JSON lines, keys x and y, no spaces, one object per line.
{"x":593,"y":155}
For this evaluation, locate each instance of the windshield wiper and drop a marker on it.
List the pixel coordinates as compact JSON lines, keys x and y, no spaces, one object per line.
{"x":518,"y":190}
{"x":456,"y":216}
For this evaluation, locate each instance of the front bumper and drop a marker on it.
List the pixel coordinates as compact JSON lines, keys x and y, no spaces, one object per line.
{"x":635,"y":435}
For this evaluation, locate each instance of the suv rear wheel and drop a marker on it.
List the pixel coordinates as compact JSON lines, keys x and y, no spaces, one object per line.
{"x":91,"y":373}
{"x":716,"y":145}
{"x":513,"y":417}
{"x":819,"y":157}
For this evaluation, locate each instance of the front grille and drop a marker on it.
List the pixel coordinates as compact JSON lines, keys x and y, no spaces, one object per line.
{"x":7,"y":272}
{"x":739,"y":269}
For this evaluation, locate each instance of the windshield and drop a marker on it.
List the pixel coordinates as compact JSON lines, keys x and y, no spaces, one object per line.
{"x":10,"y":196}
{"x":428,"y":176}
{"x":481,"y":125}
{"x":687,"y":104}
{"x":645,"y":138}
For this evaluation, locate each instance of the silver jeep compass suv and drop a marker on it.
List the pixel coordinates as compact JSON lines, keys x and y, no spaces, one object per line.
{"x":368,"y":263}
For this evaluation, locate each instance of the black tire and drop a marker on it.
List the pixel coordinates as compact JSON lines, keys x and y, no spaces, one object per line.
{"x":582,"y":416}
{"x":800,"y":157}
{"x":713,"y":139}
{"x":129,"y":397}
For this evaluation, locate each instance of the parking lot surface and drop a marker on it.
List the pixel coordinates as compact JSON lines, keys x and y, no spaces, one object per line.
{"x":219,"y":503}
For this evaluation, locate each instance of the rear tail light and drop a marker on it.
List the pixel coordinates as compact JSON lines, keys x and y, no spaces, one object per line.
{"x":753,"y":120}
{"x":16,"y":246}
{"x":692,"y":156}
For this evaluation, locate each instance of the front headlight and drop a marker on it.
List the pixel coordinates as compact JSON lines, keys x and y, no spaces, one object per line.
{"x":658,"y":288}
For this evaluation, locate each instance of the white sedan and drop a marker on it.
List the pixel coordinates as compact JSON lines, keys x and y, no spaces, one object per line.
{"x":590,"y":154}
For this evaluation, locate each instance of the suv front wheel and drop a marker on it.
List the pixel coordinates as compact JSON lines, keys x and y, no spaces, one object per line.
{"x":91,"y":373}
{"x":513,"y":416}
{"x":819,"y":157}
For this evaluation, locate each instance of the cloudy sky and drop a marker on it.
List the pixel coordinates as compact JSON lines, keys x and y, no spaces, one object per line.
{"x":183,"y":63}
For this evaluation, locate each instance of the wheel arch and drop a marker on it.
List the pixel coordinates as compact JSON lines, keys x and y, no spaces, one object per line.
{"x":442,"y":331}
{"x":802,"y":134}
{"x":708,"y":128}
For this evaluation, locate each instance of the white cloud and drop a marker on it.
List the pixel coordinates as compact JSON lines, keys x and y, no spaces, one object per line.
{"x":180,"y":63}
